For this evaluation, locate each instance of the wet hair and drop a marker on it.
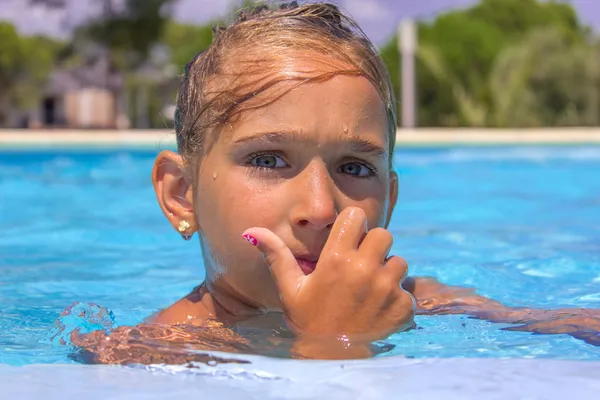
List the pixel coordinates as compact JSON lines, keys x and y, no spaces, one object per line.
{"x":256,"y":53}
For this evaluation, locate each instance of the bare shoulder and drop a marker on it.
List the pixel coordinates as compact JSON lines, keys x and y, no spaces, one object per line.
{"x":187,"y":310}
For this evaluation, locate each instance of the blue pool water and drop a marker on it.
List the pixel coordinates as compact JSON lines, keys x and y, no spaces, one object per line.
{"x":522,"y":225}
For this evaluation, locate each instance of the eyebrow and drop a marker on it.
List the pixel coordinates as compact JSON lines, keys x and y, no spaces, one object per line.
{"x":357,"y":145}
{"x":278,"y":137}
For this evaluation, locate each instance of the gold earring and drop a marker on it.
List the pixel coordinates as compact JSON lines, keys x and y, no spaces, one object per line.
{"x":183,"y":226}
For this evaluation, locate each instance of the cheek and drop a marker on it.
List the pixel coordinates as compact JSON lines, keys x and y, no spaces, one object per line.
{"x":375,"y":204}
{"x":376,"y":211}
{"x":227,"y":206}
{"x":233,"y":202}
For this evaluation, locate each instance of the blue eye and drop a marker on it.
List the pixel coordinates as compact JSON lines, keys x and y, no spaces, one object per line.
{"x":356,"y":169}
{"x":267,"y":161}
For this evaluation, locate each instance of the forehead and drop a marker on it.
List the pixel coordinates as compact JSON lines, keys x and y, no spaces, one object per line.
{"x":342,"y":106}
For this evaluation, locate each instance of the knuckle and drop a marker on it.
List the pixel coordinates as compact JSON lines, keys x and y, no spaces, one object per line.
{"x":360,"y":274}
{"x":403,"y":305}
{"x":384,"y":285}
{"x":279,"y":247}
{"x":336,"y":259}
{"x":407,"y":300}
{"x":361,"y":271}
{"x":401,"y":262}
{"x":398,"y":266}
{"x":270,"y":259}
{"x":276,"y":251}
{"x":365,"y":263}
{"x":342,"y":263}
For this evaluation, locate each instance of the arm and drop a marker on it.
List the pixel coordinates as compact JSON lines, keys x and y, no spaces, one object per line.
{"x":157,"y":344}
{"x":434,"y":297}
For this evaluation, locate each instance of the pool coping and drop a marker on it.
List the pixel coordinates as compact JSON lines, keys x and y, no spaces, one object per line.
{"x":264,"y":378}
{"x":165,"y":139}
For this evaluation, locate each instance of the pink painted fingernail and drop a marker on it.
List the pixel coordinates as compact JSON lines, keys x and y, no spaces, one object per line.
{"x":251,"y":239}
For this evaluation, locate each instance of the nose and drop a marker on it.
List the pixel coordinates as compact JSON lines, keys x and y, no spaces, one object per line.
{"x":315,"y":204}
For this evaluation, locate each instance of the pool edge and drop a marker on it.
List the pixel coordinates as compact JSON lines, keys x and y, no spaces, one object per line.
{"x":386,"y":377}
{"x":165,"y":139}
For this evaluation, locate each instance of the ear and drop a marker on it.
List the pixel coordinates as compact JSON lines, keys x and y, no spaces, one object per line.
{"x":393,"y":196}
{"x":174,"y":191}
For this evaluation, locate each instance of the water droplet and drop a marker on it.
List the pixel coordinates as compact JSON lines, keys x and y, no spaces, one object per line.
{"x":83,"y":317}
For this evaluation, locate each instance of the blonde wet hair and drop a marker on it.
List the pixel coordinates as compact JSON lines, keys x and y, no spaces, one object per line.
{"x":256,"y":53}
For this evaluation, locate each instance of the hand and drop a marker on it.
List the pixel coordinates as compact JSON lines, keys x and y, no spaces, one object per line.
{"x":354,"y":291}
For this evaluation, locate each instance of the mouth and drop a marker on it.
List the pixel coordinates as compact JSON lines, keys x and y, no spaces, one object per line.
{"x":307,"y":264}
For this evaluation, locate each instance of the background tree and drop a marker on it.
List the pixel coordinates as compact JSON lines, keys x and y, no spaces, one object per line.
{"x":185,"y":41}
{"x":546,"y":81}
{"x":128,"y":32}
{"x":458,"y":52}
{"x":25,"y":63}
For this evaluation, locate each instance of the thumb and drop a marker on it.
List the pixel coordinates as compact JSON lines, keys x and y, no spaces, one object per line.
{"x":283,"y":265}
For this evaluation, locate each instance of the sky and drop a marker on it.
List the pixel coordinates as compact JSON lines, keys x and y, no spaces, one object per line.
{"x":378,"y":18}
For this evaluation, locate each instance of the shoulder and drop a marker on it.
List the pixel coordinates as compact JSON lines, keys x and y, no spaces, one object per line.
{"x":187,"y":310}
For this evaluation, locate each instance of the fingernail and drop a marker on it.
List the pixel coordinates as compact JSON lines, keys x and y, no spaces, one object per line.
{"x":251,"y":239}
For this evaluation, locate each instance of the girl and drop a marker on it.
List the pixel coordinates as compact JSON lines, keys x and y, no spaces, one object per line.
{"x":285,"y":129}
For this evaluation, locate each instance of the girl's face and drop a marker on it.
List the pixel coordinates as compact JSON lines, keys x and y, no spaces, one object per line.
{"x":291,"y":166}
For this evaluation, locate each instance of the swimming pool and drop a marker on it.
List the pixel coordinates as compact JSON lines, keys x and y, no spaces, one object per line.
{"x":521,"y":224}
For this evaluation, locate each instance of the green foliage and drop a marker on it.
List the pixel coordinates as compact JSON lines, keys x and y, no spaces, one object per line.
{"x":546,"y":81}
{"x":486,"y":66}
{"x":130,"y":34}
{"x":11,"y":52}
{"x":515,"y":18}
{"x":185,"y":41}
{"x":25,"y":63}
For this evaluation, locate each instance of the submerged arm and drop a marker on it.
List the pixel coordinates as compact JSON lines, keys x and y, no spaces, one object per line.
{"x":434,"y":297}
{"x":158,"y":344}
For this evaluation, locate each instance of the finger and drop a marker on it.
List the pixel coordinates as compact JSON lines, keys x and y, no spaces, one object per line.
{"x":283,"y":265}
{"x":348,"y":230}
{"x":398,"y":269}
{"x":377,"y":245}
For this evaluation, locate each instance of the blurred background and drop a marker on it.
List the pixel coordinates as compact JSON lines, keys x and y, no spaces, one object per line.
{"x":115,"y":64}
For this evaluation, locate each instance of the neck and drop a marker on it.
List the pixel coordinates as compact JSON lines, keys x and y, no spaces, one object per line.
{"x":224,"y":304}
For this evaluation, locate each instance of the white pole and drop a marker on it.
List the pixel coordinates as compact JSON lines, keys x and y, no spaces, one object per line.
{"x":407,"y":44}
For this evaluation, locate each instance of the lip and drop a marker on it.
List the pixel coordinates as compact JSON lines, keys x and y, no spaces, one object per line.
{"x":307,"y":264}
